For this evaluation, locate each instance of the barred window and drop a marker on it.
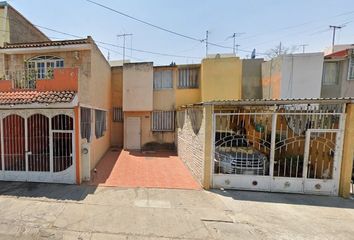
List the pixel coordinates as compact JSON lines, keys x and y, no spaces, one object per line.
{"x":351,"y":68}
{"x":85,"y":123}
{"x":117,"y":114}
{"x":188,"y":77}
{"x":163,"y":79}
{"x":163,"y":121}
{"x":100,"y":123}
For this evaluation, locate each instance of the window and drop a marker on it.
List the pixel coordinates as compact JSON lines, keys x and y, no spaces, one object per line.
{"x":117,"y":114}
{"x":42,"y":67}
{"x":330,"y":73}
{"x":163,"y":121}
{"x":351,"y":68}
{"x":188,"y":77}
{"x":163,"y":79}
{"x":100,"y":123}
{"x":85,"y":123}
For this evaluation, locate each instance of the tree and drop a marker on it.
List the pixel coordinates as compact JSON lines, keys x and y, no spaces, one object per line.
{"x":280,"y":50}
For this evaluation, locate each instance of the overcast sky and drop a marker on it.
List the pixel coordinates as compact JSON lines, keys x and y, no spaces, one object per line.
{"x":264,"y":23}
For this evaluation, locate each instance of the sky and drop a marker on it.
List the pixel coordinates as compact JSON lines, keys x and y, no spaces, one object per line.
{"x":263,"y":24}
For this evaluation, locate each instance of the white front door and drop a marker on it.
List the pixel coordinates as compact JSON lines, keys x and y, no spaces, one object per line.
{"x":133,"y":133}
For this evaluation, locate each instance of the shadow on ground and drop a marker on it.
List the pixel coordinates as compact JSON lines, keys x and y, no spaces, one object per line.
{"x":46,"y":190}
{"x":287,"y":198}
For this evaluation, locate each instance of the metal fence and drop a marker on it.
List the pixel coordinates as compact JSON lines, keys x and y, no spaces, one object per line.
{"x":291,"y":148}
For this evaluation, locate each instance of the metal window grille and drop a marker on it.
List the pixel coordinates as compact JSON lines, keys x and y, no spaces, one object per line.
{"x":100,"y":123}
{"x":117,"y":114}
{"x":85,"y":123}
{"x":188,"y":77}
{"x":163,"y":79}
{"x":163,"y":121}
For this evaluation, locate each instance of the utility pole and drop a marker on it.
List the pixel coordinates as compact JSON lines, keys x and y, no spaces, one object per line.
{"x":334,"y":33}
{"x":206,"y":43}
{"x":303,"y":47}
{"x":124,"y":35}
{"x":279,"y":49}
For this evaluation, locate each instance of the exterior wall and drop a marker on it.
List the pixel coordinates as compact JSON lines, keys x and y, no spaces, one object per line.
{"x":293,"y":76}
{"x":252,"y":78}
{"x":347,"y":86}
{"x":191,"y":140}
{"x":98,"y":96}
{"x":271,"y":78}
{"x":301,"y":75}
{"x":117,"y":101}
{"x":187,"y":96}
{"x":21,"y":30}
{"x":4,"y":26}
{"x":150,"y":140}
{"x":165,"y":99}
{"x":138,"y":87}
{"x":221,"y":79}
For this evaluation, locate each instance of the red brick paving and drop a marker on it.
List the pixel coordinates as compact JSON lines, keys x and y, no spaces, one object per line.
{"x":135,"y":169}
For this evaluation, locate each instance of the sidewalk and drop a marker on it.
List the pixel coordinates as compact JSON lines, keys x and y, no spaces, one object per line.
{"x":52,"y":211}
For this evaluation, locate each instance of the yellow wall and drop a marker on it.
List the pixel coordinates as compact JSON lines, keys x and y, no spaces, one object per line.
{"x":221,"y":79}
{"x":186,"y":96}
{"x":117,"y":101}
{"x":165,"y":99}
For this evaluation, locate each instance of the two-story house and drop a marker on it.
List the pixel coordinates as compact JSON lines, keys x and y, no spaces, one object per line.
{"x":338,"y":73}
{"x":55,"y":101}
{"x":145,"y":97}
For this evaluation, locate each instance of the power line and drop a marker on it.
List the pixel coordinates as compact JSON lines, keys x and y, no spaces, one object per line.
{"x":145,"y":22}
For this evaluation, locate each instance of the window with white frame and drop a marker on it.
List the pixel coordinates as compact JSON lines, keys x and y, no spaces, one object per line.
{"x":330,"y":73}
{"x":188,"y":77}
{"x":100,"y":123}
{"x":351,"y":67}
{"x":163,"y":79}
{"x":42,"y":66}
{"x":163,"y":121}
{"x":117,"y":114}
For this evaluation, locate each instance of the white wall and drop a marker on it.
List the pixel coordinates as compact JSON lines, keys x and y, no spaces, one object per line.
{"x":301,"y":75}
{"x":138,"y":87}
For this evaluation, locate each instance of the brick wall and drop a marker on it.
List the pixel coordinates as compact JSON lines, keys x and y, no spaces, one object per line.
{"x":190,"y":140}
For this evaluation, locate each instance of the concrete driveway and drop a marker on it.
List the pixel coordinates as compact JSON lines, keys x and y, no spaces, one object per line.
{"x":121,"y":168}
{"x":52,"y":211}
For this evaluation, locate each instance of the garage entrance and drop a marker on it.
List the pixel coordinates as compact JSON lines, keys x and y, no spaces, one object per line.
{"x":281,"y":148}
{"x":37,"y":145}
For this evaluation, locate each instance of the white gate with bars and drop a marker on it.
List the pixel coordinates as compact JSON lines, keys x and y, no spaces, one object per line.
{"x":37,"y":145}
{"x":280,"y":148}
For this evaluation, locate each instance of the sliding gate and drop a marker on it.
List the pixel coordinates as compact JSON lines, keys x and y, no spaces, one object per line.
{"x":281,"y":148}
{"x":37,"y":145}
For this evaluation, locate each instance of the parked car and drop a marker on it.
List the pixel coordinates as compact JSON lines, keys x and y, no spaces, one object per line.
{"x":235,"y":155}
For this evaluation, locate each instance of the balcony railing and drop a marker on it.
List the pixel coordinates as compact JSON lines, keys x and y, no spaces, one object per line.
{"x":40,"y":79}
{"x":27,"y":79}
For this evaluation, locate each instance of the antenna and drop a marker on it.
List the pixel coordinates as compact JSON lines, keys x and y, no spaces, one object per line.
{"x":303,"y":47}
{"x":206,"y":43}
{"x":124,"y":35}
{"x":234,"y":45}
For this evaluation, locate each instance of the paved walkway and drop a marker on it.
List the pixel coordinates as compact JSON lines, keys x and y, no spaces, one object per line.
{"x":135,"y":169}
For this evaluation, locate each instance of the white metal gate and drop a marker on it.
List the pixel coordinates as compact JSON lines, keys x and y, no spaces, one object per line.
{"x":37,"y":145}
{"x":280,"y":148}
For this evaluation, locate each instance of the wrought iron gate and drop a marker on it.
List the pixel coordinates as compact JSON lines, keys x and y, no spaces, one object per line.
{"x":281,"y":148}
{"x":37,"y":145}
